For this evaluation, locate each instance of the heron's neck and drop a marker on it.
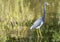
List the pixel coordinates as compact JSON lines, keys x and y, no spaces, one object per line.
{"x":44,"y":12}
{"x":44,"y":9}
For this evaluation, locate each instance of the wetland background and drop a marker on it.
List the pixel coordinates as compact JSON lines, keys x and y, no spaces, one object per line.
{"x":17,"y":16}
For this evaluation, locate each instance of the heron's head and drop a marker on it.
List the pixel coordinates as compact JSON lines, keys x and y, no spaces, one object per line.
{"x":46,"y":3}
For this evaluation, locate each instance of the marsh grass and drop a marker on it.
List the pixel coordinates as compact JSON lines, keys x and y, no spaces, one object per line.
{"x":17,"y":16}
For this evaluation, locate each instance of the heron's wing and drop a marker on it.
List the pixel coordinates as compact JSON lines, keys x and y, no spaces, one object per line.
{"x":40,"y":25}
{"x":37,"y":21}
{"x":36,"y":24}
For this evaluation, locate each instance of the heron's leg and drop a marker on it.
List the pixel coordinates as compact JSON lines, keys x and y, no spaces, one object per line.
{"x":37,"y":32}
{"x":40,"y":33}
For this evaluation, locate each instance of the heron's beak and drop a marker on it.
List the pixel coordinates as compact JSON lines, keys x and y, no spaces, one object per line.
{"x":48,"y":4}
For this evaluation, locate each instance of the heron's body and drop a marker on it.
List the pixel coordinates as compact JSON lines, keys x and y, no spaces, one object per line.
{"x":37,"y":24}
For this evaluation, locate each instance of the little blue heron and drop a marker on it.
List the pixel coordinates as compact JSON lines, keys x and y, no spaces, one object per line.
{"x":38,"y":23}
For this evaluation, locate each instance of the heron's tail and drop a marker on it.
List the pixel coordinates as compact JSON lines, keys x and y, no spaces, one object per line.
{"x":31,"y":28}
